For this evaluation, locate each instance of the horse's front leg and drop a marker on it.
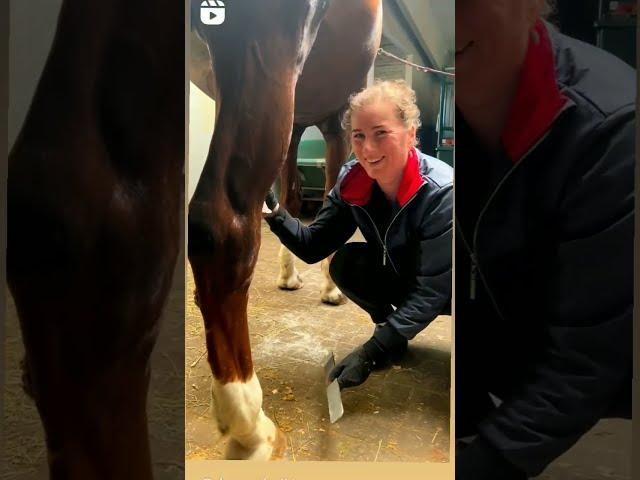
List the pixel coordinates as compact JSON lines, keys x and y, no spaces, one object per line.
{"x":89,"y":289}
{"x":223,"y":249}
{"x":256,"y":73}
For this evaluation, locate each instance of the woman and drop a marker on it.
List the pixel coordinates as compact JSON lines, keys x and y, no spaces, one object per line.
{"x":544,"y":238}
{"x":402,"y":201}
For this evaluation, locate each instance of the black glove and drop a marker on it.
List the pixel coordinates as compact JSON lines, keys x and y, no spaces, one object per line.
{"x":482,"y":461}
{"x":356,"y":367}
{"x":271,"y":203}
{"x":353,"y":369}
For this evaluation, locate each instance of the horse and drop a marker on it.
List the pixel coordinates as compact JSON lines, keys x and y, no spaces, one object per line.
{"x":316,"y":106}
{"x":95,"y":188}
{"x":277,"y":67}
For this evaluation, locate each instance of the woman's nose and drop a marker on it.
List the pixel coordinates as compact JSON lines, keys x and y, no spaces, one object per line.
{"x":368,"y":147}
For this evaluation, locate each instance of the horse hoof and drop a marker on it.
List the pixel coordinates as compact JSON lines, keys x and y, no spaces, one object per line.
{"x":237,"y":451}
{"x":294,"y":282}
{"x":333,"y":297}
{"x":268,"y":450}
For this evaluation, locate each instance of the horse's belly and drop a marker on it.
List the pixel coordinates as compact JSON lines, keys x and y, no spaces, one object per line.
{"x":333,"y":71}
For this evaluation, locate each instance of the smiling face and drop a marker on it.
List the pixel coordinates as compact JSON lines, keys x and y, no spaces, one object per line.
{"x":381,"y":141}
{"x":491,"y":43}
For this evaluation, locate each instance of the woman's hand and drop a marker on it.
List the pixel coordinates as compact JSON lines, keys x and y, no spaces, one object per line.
{"x":352,"y":370}
{"x":270,"y":205}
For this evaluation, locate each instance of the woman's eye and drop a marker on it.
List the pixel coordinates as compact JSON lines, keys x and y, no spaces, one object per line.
{"x":358,"y":136}
{"x":380,"y":133}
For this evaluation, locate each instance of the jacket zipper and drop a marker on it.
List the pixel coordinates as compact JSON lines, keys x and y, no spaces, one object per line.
{"x":384,"y":246}
{"x":385,"y":251}
{"x":473,"y":272}
{"x":475,"y":265}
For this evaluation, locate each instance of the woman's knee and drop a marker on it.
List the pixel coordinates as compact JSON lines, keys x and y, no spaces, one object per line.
{"x":347,"y":260}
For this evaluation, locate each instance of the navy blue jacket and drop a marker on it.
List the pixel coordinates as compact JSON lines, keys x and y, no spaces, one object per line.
{"x":549,"y":252}
{"x":417,"y":243}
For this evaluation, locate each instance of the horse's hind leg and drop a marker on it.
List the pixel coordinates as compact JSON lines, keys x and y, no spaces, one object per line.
{"x":336,"y":154}
{"x":289,"y":278}
{"x":291,"y":199}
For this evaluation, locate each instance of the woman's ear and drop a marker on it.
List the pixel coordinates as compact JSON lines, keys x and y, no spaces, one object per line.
{"x":412,"y":137}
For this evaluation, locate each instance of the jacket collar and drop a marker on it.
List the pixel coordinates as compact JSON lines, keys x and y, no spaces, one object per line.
{"x":538,"y":100}
{"x":357,"y":186}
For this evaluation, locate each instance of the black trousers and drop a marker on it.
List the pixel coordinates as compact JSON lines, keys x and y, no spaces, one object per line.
{"x":357,"y":270}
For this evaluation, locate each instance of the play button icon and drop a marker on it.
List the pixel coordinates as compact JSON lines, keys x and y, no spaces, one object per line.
{"x":212,"y":12}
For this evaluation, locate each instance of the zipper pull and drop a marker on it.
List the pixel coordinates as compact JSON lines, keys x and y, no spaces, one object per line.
{"x":384,"y":256}
{"x":472,"y":283}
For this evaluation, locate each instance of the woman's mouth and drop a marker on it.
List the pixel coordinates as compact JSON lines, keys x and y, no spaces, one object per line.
{"x":373,"y":162}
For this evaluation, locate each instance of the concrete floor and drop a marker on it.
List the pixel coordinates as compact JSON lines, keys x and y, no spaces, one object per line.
{"x":399,"y":414}
{"x":603,"y":453}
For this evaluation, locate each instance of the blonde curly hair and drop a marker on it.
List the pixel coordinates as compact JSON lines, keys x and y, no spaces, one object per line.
{"x":397,"y":92}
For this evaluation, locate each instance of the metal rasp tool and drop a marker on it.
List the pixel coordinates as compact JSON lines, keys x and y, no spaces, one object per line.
{"x":336,"y":410}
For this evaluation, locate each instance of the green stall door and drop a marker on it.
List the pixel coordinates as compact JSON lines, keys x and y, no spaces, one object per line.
{"x":311,"y":165}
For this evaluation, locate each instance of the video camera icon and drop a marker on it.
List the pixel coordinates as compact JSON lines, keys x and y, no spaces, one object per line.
{"x":212,"y":12}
